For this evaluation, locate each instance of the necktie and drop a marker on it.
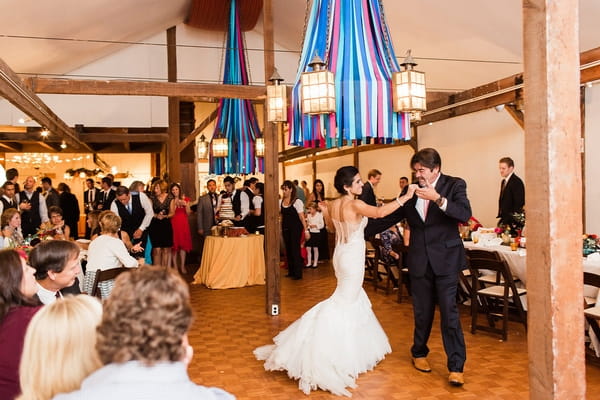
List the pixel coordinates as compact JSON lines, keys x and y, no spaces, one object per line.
{"x":129,"y":207}
{"x":425,"y":207}
{"x":502,"y":185}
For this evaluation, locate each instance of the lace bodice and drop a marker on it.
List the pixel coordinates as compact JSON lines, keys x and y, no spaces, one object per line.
{"x":346,"y":232}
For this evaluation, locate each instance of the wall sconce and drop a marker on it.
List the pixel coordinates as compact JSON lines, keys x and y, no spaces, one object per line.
{"x":409,"y":88}
{"x":260,"y":146}
{"x":63,"y":145}
{"x":276,"y":99}
{"x":220,"y":147}
{"x":202,"y":148}
{"x":318,"y":89}
{"x":44,"y":133}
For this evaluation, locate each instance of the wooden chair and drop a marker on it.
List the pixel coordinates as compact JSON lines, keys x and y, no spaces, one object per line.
{"x":497,"y":300}
{"x":383,"y":271}
{"x":370,"y":261}
{"x":105,"y":276}
{"x":591,"y":280}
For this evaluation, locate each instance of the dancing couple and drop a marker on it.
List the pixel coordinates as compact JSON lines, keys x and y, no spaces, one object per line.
{"x":340,"y":337}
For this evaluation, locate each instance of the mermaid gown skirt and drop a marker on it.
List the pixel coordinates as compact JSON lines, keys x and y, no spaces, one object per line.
{"x":338,"y":338}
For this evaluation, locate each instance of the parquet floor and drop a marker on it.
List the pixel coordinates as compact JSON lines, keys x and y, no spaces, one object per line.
{"x":229,"y":324}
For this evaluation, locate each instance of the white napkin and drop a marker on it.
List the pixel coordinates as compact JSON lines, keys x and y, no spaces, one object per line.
{"x":594,"y":257}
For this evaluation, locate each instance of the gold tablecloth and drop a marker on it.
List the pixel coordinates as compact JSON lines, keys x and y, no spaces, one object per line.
{"x":232,"y":262}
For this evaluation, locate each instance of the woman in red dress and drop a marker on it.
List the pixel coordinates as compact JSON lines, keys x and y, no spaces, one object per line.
{"x":182,"y":238}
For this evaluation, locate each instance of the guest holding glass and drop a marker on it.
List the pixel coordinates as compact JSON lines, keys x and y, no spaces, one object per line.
{"x":160,"y":230}
{"x":182,"y":237}
{"x":18,"y":305}
{"x":293,"y":226}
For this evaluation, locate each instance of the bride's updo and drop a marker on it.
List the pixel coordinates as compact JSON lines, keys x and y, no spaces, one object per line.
{"x":343,"y":177}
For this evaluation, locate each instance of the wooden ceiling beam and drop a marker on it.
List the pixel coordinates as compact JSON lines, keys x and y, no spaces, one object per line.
{"x":189,"y":139}
{"x":18,"y":94}
{"x":12,"y":147}
{"x":143,"y":88}
{"x":93,"y":137}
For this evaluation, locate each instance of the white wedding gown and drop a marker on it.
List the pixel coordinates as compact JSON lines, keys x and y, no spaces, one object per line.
{"x":338,"y":338}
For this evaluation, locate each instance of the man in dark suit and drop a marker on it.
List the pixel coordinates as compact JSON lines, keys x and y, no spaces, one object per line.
{"x":512,"y":192}
{"x":435,"y":256}
{"x":207,"y":205}
{"x":91,"y":197}
{"x":50,"y":194}
{"x":107,"y":194}
{"x":368,"y":191}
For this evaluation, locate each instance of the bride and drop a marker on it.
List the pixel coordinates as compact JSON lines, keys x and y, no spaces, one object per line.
{"x":340,"y":337}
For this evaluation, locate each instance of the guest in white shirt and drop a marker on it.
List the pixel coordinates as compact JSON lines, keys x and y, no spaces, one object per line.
{"x":60,"y":348}
{"x":314,"y":221}
{"x":107,"y":251}
{"x":56,"y":264}
{"x":143,"y":343}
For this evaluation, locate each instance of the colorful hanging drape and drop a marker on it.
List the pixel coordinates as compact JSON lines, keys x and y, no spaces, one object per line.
{"x":236,"y":118}
{"x":352,"y":37}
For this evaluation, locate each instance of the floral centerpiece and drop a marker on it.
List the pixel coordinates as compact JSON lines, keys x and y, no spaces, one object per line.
{"x":467,"y":228}
{"x":591,"y":244}
{"x":48,"y":231}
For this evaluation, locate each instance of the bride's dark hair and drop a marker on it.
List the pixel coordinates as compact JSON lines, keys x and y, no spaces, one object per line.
{"x":343,"y":177}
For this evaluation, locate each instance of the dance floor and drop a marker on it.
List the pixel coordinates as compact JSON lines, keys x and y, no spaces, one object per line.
{"x":230,"y":323}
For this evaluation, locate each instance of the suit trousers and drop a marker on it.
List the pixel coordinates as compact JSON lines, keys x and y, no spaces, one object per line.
{"x":425,"y":291}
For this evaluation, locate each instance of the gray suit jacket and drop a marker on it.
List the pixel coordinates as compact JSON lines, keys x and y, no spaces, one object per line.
{"x":206,"y":213}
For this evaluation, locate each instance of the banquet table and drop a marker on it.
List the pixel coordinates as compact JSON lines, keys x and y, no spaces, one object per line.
{"x":232,"y":262}
{"x":517,"y":262}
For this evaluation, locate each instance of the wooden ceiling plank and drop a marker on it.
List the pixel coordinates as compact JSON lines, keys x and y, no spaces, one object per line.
{"x":143,"y":88}
{"x":93,"y":137}
{"x":12,"y":147}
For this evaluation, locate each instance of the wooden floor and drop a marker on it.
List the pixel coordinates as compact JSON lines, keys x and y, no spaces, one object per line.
{"x":229,"y":324}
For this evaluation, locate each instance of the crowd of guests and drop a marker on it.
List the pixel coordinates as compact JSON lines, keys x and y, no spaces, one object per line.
{"x":134,"y":345}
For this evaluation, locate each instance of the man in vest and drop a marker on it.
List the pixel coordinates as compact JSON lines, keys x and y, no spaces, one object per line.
{"x":9,"y":198}
{"x":249,"y":187}
{"x":33,"y":208}
{"x":239,"y":201}
{"x":136,"y":214}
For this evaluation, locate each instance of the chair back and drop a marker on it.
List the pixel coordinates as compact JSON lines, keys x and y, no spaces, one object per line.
{"x":501,"y":270}
{"x":591,"y":279}
{"x":104,"y":276}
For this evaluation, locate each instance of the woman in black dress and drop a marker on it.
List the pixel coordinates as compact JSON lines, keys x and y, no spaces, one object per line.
{"x":70,"y":207}
{"x":160,"y":230}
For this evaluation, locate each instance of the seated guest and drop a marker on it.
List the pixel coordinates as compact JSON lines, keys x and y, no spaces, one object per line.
{"x":60,"y":348}
{"x":142,"y":341}
{"x":107,"y":251}
{"x":18,"y":304}
{"x":93,"y":227}
{"x":11,"y":228}
{"x":56,"y":227}
{"x":56,"y":264}
{"x":392,"y":246}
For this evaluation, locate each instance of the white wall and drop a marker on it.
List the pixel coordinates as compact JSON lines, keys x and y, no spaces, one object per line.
{"x":592,"y":146}
{"x":393,"y":162}
{"x":470,"y":147}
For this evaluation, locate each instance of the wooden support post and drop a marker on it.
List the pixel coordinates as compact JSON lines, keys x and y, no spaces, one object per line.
{"x":173,"y":159}
{"x":271,"y":206}
{"x":553,"y":200}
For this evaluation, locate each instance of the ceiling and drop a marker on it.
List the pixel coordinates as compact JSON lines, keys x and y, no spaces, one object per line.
{"x":460,"y":44}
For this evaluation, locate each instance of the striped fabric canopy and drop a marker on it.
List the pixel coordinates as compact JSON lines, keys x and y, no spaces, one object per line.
{"x":352,"y":37}
{"x":236,"y":119}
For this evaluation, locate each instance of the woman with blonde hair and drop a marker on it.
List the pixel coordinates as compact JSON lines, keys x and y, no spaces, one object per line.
{"x":60,"y":348}
{"x":107,"y":251}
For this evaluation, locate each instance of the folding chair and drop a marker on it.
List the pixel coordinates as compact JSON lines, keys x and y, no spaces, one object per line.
{"x":383,"y":274}
{"x":496,"y":300}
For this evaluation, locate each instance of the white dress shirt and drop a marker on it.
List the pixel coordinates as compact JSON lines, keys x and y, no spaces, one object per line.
{"x":46,"y":296}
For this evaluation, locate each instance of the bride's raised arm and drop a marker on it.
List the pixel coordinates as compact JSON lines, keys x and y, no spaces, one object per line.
{"x":362,"y":208}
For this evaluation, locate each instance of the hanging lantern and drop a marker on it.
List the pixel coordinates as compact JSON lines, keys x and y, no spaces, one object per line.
{"x":202,"y":148}
{"x":318,"y":89}
{"x":220,"y":147}
{"x":276,"y":99}
{"x":260,"y":146}
{"x":409,"y":88}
